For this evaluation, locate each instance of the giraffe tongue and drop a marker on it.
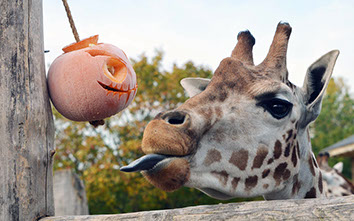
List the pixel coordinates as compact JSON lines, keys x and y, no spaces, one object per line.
{"x":146,"y":162}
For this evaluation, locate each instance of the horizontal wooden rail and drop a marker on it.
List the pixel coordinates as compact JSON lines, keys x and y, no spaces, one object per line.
{"x":339,"y":208}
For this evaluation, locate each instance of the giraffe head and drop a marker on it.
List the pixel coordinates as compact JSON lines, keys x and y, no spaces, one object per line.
{"x":337,"y":184}
{"x":244,"y":132}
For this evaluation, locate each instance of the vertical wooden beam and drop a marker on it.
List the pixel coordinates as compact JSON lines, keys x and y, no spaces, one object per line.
{"x":69,"y":194}
{"x":26,"y":122}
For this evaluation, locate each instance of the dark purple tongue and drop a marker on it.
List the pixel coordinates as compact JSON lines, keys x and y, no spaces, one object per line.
{"x":146,"y":162}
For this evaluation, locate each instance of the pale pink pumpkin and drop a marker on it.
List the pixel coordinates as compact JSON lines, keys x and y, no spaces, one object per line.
{"x":91,"y":81}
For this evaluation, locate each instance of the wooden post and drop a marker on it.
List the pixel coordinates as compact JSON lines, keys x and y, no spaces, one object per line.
{"x":69,"y":194}
{"x":352,"y":161}
{"x":26,"y":122}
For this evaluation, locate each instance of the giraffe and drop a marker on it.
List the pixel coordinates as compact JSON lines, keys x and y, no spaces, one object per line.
{"x":242,"y":133}
{"x":335,"y":184}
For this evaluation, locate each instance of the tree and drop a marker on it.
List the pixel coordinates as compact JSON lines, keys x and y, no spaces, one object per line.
{"x":336,"y":121}
{"x":97,"y":154}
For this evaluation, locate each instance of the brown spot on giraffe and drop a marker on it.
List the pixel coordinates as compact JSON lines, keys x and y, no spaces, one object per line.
{"x":314,"y":162}
{"x":287,"y":150}
{"x":265,"y":173}
{"x":230,"y":84}
{"x":213,"y":156}
{"x":286,"y":174}
{"x":218,"y":112}
{"x":223,"y":176}
{"x":218,"y":136}
{"x":206,"y":113}
{"x":312,"y":168}
{"x":348,"y":184}
{"x":345,"y":186}
{"x":296,"y":184}
{"x":271,"y":160}
{"x":262,"y":153}
{"x":294,"y":156}
{"x":251,"y":182}
{"x":311,"y":193}
{"x":320,"y":183}
{"x":222,"y":96}
{"x":239,"y":159}
{"x":277,"y":149}
{"x":279,"y":172}
{"x":290,"y":133}
{"x":212,"y":97}
{"x":234,"y":182}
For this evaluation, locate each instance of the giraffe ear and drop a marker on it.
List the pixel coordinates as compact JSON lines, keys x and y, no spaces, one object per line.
{"x":194,"y":86}
{"x":338,"y":167}
{"x":316,"y":82}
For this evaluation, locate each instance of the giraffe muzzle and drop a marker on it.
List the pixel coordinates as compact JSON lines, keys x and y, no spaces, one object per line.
{"x":146,"y":162}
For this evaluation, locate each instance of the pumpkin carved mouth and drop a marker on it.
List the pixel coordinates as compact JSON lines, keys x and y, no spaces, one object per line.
{"x":111,"y":88}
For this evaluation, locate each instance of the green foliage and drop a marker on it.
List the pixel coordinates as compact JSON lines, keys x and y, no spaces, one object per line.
{"x":96,"y":154}
{"x":336,"y":121}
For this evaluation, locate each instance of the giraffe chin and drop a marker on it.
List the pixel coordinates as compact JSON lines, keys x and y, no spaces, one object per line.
{"x":169,"y":175}
{"x":216,"y":194}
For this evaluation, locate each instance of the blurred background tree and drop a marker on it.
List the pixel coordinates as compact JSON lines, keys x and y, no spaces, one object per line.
{"x":97,"y":154}
{"x":336,"y":121}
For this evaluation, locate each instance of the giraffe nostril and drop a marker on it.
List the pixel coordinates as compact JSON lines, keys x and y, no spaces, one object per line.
{"x":175,"y":118}
{"x":176,"y":121}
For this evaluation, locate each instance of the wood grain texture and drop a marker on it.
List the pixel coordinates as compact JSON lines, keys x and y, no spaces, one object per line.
{"x":69,"y":194}
{"x":26,"y":123}
{"x":341,"y":208}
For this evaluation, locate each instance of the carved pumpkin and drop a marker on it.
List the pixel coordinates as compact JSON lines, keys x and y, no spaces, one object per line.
{"x":91,"y":81}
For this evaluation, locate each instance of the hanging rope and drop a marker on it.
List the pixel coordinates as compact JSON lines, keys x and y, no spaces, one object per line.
{"x":71,"y":20}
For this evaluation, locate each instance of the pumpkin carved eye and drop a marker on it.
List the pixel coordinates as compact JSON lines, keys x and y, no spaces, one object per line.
{"x":115,"y":70}
{"x":278,"y":108}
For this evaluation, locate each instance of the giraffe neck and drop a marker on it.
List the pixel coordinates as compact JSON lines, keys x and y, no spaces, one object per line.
{"x":307,"y":183}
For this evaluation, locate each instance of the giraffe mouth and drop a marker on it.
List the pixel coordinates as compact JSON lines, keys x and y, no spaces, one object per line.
{"x":166,"y":172}
{"x":147,"y":162}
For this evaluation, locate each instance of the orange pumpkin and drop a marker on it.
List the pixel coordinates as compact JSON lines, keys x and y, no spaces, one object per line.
{"x":91,"y":81}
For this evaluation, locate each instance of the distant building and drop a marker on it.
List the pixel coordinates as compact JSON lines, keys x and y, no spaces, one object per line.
{"x":343,"y":148}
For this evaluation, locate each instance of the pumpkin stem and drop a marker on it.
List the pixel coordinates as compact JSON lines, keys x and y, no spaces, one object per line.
{"x":97,"y":123}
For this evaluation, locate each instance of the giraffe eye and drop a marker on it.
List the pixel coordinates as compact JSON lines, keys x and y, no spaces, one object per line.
{"x":278,"y":108}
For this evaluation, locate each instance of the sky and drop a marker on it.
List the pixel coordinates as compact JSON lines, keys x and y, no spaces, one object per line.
{"x":205,"y":31}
